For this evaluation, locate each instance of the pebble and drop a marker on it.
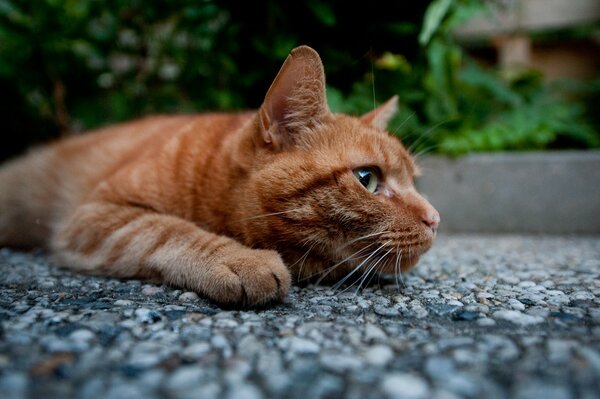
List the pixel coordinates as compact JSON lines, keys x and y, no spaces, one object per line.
{"x":516,"y":305}
{"x":123,"y":302}
{"x":378,"y":355}
{"x":582,"y":296}
{"x":300,"y":346}
{"x":185,"y":379}
{"x":477,"y":312}
{"x":404,"y":386}
{"x":517,"y":317}
{"x":374,"y":333}
{"x":152,"y":290}
{"x":244,"y":391}
{"x":340,"y":363}
{"x":188,"y":296}
{"x":196,"y":351}
{"x":145,"y":315}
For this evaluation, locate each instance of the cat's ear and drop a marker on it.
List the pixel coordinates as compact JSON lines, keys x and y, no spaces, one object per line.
{"x":381,"y":116}
{"x":296,"y":100}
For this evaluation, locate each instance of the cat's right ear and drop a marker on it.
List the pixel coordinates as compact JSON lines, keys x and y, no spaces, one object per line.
{"x":296,"y":101}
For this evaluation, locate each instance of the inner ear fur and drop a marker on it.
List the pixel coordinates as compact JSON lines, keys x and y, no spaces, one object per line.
{"x":380,"y":117}
{"x":296,"y":100}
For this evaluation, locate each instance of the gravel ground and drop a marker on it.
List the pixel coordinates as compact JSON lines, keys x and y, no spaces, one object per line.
{"x":480,"y":317}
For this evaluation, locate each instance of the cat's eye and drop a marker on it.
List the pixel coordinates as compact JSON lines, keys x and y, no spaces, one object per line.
{"x":368,"y":177}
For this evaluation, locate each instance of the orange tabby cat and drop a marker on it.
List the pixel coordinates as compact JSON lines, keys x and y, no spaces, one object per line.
{"x":228,"y":205}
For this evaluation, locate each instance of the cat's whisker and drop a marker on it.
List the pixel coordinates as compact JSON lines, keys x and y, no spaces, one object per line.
{"x":397,"y":266}
{"x":425,"y":151}
{"x":328,"y":271}
{"x":364,"y":237}
{"x":395,"y":132}
{"x":373,"y":81}
{"x":432,"y":130}
{"x":268,"y":214}
{"x":372,"y":271}
{"x":304,"y":258}
{"x":374,"y":253}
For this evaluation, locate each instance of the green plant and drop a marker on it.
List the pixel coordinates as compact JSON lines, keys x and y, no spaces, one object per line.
{"x":451,"y":105}
{"x":68,"y":66}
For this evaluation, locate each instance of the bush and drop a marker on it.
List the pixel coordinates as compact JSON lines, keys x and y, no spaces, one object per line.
{"x":68,"y":65}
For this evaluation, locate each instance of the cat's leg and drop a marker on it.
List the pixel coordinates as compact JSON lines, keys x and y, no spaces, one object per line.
{"x":131,"y":241}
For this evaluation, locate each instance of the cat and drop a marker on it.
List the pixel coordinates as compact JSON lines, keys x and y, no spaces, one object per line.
{"x":233,"y":206}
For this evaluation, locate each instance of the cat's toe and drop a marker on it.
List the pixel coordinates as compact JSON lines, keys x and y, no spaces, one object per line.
{"x":264,"y":278}
{"x":251,"y":278}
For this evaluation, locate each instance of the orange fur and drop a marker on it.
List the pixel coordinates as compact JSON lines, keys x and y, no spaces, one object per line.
{"x":229,"y":205}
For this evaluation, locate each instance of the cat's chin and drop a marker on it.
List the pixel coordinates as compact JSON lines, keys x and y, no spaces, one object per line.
{"x":408,"y":263}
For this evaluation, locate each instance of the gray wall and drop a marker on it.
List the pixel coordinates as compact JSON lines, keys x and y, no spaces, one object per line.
{"x":545,"y":192}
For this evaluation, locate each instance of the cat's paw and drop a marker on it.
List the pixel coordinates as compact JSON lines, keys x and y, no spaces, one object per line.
{"x":251,"y":277}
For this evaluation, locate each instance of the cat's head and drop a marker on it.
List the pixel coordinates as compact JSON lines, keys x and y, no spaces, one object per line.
{"x":332,"y":187}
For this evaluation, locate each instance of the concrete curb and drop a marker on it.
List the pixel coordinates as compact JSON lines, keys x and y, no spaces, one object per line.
{"x":542,"y":192}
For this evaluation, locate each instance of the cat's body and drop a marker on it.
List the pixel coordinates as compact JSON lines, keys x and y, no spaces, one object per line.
{"x":226,"y":204}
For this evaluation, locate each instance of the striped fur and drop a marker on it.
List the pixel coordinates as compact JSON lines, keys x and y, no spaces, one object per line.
{"x":231,"y":206}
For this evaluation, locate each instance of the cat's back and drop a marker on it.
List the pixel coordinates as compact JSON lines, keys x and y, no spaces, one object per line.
{"x":43,"y":186}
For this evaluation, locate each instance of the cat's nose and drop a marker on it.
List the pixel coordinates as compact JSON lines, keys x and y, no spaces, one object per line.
{"x":431,"y":218}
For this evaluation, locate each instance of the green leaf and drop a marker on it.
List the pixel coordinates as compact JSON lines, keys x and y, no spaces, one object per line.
{"x":434,"y":16}
{"x":323,"y":12}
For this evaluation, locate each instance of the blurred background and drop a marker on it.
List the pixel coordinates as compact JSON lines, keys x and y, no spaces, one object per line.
{"x":471,"y":75}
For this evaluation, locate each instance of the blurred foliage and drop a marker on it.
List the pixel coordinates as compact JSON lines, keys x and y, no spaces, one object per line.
{"x":451,"y":105}
{"x":69,"y":65}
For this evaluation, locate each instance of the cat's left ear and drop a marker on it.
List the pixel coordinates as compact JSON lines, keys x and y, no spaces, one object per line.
{"x":296,"y":101}
{"x":381,"y":116}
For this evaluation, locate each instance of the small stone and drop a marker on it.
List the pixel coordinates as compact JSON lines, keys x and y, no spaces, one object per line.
{"x":430,"y":294}
{"x":195,"y":351}
{"x":560,"y":350}
{"x":465,"y":315}
{"x":339,"y":362}
{"x":591,"y":356}
{"x":188,"y":296}
{"x":152,"y":290}
{"x":300,"y":346}
{"x":484,"y":296}
{"x":185,"y":379}
{"x":541,"y":389}
{"x":404,"y":386}
{"x":526,"y":284}
{"x":515,"y":304}
{"x":82,"y":335}
{"x":517,"y":317}
{"x":125,"y":391}
{"x":374,"y":333}
{"x":221,"y":343}
{"x":442,"y":309}
{"x":582,"y":296}
{"x":123,"y":302}
{"x":462,"y":384}
{"x":439,"y":367}
{"x":148,"y":316}
{"x":244,"y":391}
{"x":13,"y":385}
{"x":486,"y":322}
{"x":417,"y":309}
{"x":386,"y":311}
{"x":378,"y":355}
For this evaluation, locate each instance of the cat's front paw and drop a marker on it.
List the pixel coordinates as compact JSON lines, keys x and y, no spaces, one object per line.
{"x":251,"y":277}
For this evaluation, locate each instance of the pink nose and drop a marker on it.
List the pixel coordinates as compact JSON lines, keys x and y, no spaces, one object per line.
{"x":432,"y":219}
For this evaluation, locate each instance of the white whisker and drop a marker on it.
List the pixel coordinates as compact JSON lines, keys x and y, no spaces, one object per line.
{"x":374,"y":253}
{"x":373,"y":271}
{"x":332,"y":268}
{"x":364,"y":237}
{"x":269,"y":214}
